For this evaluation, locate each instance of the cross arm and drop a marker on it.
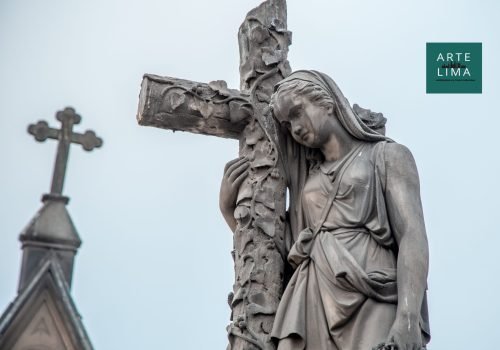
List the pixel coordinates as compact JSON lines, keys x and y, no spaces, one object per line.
{"x":41,"y":131}
{"x":88,"y":140}
{"x":200,"y":108}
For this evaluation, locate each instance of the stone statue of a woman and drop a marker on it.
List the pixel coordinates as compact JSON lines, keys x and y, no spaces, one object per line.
{"x":357,"y":239}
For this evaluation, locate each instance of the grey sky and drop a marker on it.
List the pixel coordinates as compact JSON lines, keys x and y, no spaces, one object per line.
{"x":149,"y":275}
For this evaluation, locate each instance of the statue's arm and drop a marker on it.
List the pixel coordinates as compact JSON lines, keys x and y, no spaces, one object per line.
{"x":407,"y":222}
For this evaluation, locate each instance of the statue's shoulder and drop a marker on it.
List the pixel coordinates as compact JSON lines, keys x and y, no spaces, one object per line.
{"x":399,"y":163}
{"x":396,"y":154}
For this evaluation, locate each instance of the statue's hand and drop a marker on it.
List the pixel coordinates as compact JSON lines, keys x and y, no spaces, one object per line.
{"x":234,"y":173}
{"x":405,"y":333}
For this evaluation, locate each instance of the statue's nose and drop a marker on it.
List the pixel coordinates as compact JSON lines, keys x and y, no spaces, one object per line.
{"x":297,"y":129}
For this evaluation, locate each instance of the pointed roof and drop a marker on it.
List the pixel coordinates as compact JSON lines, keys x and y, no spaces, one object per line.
{"x":44,"y":306}
{"x":52,"y":223}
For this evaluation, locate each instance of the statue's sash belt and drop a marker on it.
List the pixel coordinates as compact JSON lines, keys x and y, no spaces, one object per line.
{"x":339,"y":266}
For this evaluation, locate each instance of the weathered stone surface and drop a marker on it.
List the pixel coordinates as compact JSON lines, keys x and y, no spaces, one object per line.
{"x":360,"y":249}
{"x":177,"y":104}
{"x":213,"y":109}
{"x":259,"y":238}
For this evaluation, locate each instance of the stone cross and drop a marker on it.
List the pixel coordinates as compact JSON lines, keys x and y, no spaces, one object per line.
{"x":41,"y":131}
{"x":214,"y":109}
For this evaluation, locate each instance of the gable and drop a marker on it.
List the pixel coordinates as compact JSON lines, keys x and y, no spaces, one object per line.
{"x":42,"y":327}
{"x":43,"y":316}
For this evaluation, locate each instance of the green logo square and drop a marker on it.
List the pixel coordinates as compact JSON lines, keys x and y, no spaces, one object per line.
{"x":454,"y":68}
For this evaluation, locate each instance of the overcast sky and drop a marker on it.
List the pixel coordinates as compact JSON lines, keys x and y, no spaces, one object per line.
{"x":155,"y":267}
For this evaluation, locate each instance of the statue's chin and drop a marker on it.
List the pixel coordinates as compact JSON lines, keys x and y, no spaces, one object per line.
{"x":305,"y":140}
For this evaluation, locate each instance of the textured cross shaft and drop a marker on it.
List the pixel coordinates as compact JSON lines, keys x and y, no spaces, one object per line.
{"x":213,"y":109}
{"x":68,"y":118}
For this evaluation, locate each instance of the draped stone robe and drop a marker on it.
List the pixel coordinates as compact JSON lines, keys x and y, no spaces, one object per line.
{"x":343,"y":293}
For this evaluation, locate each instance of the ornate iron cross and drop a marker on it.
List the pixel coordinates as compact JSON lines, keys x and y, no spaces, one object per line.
{"x":66,"y":136}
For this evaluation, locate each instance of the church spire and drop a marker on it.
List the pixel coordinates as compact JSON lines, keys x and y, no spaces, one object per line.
{"x":43,"y":315}
{"x":52,"y":229}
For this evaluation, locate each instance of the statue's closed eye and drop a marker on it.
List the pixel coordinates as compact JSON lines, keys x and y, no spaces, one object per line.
{"x":286,"y":124}
{"x":295,"y":112}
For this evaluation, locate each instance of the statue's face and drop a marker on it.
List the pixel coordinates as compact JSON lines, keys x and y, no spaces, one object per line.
{"x":308,"y":123}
